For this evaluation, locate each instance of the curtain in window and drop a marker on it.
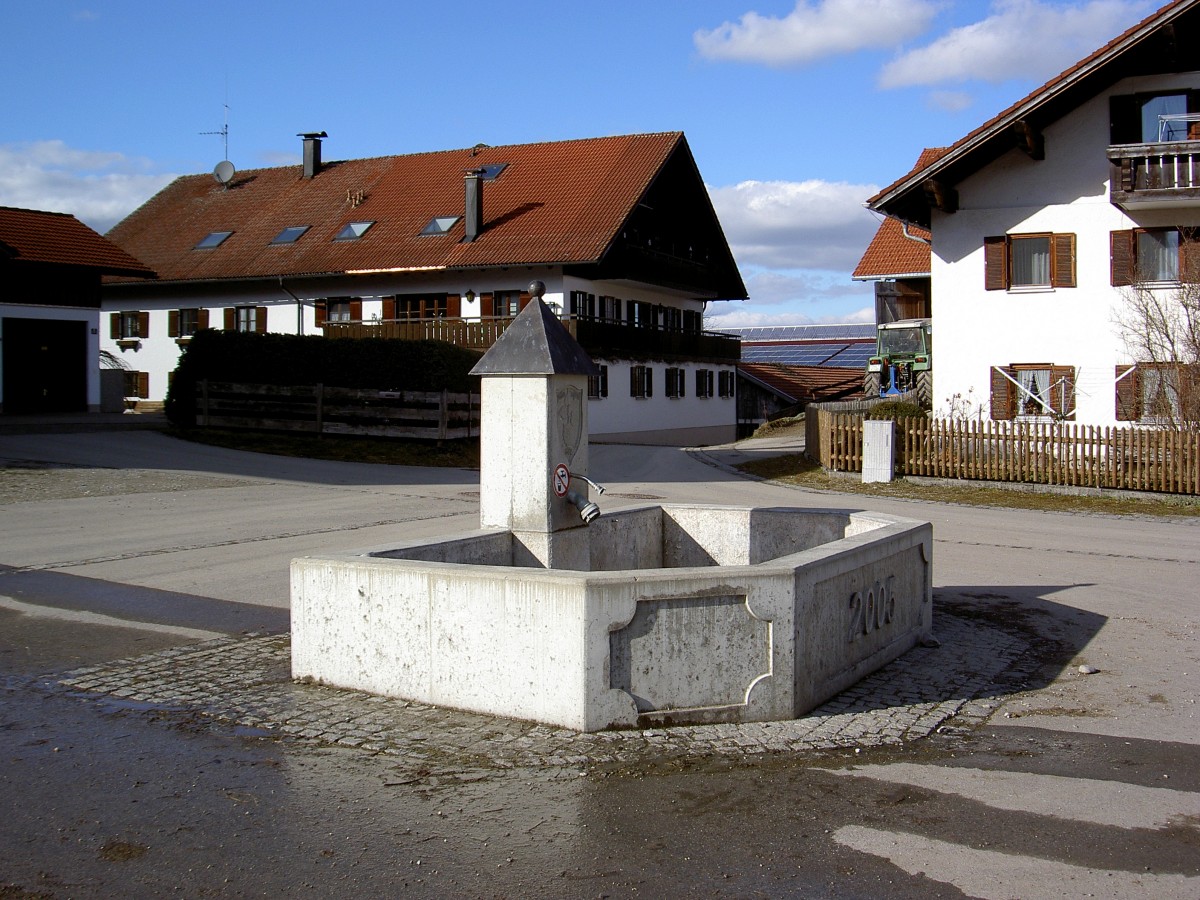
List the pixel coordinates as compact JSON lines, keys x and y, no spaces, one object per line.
{"x":1031,"y":261}
{"x":1158,"y":255}
{"x":1035,"y":391}
{"x":1160,"y":393}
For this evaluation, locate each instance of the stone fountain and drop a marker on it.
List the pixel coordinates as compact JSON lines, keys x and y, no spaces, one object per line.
{"x":656,"y":615}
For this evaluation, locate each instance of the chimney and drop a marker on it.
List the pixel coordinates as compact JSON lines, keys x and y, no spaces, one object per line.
{"x":473,"y":222}
{"x":312,"y":152}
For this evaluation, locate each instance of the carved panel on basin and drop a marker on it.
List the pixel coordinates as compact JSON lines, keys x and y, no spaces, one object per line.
{"x":690,"y":653}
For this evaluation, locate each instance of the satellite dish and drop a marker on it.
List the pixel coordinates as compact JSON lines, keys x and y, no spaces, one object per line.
{"x":224,"y":172}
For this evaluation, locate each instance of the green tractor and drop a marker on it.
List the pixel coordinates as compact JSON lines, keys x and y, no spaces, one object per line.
{"x":902,"y":361}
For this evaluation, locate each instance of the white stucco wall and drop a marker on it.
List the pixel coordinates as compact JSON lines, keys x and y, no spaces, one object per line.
{"x":619,"y":417}
{"x":1067,"y":192}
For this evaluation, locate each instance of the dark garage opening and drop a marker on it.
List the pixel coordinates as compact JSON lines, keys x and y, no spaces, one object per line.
{"x":45,"y":366}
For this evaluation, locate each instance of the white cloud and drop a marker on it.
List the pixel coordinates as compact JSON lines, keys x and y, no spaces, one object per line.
{"x":950,"y":101}
{"x":814,"y":31}
{"x":795,"y":298}
{"x":796,"y":224}
{"x":96,"y":187}
{"x":1024,"y":39}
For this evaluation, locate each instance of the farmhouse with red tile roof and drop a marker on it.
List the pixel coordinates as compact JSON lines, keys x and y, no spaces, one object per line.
{"x":444,"y":245}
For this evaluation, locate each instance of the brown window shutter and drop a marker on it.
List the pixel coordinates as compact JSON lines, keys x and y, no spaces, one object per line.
{"x":356,"y":310}
{"x":1064,"y":260}
{"x":1062,"y":396}
{"x":389,"y":308}
{"x":260,"y":319}
{"x":202,"y":319}
{"x":633,"y":381}
{"x":230,"y":318}
{"x":525,"y":298}
{"x":1189,"y":392}
{"x":995,"y":263}
{"x":1124,"y":120}
{"x":1003,"y":401}
{"x":320,"y":311}
{"x":1121,"y":257}
{"x":143,"y":324}
{"x":114,"y":325}
{"x":453,"y":306}
{"x":1127,"y":394}
{"x":143,"y":384}
{"x":487,"y":305}
{"x":173,"y":323}
{"x":1189,"y":253}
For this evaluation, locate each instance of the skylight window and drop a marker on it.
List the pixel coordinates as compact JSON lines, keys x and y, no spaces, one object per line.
{"x":290,"y":235}
{"x":440,"y":224}
{"x":492,"y":172}
{"x":353,"y":231}
{"x":214,"y":239}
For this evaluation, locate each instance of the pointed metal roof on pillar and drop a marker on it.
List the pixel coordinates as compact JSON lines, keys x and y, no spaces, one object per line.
{"x":536,"y":343}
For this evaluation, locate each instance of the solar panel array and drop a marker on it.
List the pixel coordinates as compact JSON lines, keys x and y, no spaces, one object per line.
{"x":833,"y":354}
{"x":834,"y":346}
{"x":849,"y":332}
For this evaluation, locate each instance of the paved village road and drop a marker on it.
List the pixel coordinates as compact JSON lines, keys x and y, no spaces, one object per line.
{"x":1042,"y":782}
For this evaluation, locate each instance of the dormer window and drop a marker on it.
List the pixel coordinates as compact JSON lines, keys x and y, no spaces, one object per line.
{"x":440,"y":224}
{"x":212,"y":240}
{"x":290,"y":235}
{"x":353,"y":231}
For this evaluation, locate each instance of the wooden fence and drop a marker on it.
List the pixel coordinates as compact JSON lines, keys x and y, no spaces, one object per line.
{"x":1058,"y":453}
{"x":320,"y":409}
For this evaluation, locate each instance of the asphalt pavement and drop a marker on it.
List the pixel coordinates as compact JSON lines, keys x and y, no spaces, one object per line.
{"x":154,"y":744}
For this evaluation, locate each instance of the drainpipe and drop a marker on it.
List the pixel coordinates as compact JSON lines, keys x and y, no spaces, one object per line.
{"x":299,"y":306}
{"x":913,"y":237}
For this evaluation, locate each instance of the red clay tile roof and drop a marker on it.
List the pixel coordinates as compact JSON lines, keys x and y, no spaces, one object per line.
{"x":806,"y":383}
{"x":891,"y":254}
{"x":29,"y":235}
{"x":555,"y":203}
{"x":1049,"y":91}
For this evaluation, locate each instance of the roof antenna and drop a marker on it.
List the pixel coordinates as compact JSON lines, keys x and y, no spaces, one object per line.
{"x":224,"y":132}
{"x":224,"y":171}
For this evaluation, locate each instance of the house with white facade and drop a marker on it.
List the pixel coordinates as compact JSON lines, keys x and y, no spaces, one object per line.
{"x":51,"y":265}
{"x":1046,"y":217}
{"x":444,"y":246}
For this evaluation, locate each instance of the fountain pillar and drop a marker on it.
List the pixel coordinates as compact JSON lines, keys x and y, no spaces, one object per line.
{"x":534,"y":440}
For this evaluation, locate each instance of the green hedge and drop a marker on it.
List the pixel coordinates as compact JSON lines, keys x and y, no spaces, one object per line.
{"x":290,"y":359}
{"x":895,"y":409}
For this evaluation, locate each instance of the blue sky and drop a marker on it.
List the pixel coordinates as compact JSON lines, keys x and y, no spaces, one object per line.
{"x":796,"y":112}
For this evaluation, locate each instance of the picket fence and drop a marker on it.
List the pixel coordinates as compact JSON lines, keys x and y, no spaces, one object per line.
{"x":1058,"y":453}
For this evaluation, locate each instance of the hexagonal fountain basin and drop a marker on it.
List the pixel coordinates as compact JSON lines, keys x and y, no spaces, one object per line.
{"x":688,"y":614}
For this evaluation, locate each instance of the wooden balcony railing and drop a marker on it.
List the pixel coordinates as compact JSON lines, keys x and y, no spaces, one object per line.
{"x":597,"y":336}
{"x":1159,"y":174}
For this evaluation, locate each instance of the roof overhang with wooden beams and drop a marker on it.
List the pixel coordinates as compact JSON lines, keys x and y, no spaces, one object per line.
{"x":1161,"y":43}
{"x":630,"y":207}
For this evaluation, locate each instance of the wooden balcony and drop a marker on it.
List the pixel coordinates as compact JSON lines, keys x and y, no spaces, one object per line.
{"x":597,"y":336}
{"x":1155,"y":175}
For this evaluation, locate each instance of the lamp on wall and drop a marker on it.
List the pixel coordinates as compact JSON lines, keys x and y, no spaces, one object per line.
{"x":469,"y":296}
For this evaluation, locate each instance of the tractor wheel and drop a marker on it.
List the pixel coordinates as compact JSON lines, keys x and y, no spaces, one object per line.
{"x":871,"y":385}
{"x":924,"y":389}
